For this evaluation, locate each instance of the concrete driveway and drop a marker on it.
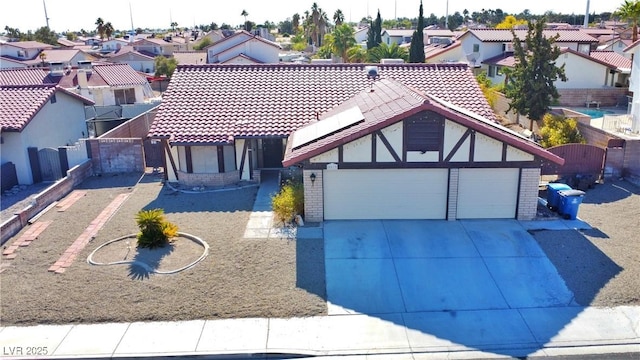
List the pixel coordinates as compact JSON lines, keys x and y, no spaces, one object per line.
{"x":410,"y":266}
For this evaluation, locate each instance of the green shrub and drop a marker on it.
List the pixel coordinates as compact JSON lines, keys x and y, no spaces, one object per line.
{"x":155,"y":230}
{"x":289,"y":202}
{"x":558,"y":130}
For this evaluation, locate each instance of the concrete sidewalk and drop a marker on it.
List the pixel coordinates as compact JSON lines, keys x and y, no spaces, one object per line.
{"x":592,"y":331}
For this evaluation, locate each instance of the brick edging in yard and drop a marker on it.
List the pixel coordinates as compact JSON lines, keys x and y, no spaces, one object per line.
{"x":55,"y":192}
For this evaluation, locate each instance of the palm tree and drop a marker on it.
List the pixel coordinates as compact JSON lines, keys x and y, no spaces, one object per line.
{"x":630,"y":11}
{"x":100,"y":27}
{"x":108,"y":30}
{"x":173,"y":26}
{"x":295,"y":22}
{"x":245,"y":14}
{"x":338,"y":17}
{"x":356,"y":54}
{"x":42,"y":57}
{"x":343,"y":39}
{"x":384,"y":51}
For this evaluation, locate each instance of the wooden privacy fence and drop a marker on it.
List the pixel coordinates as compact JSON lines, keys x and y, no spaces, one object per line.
{"x":579,"y":159}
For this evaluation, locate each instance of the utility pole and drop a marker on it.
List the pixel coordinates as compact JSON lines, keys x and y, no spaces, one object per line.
{"x":446,"y":16}
{"x":46,"y":17}
{"x":586,"y":17}
{"x":131,"y":16}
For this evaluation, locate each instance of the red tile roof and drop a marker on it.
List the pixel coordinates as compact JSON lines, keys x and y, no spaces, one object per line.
{"x":103,"y":74}
{"x":216,"y":103}
{"x":505,"y":35}
{"x":388,"y":102}
{"x":504,"y":59}
{"x":19,"y":104}
{"x":612,"y":58}
{"x":119,"y":75}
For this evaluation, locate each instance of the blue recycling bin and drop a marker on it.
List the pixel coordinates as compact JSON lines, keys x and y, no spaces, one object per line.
{"x":553,"y":199}
{"x":570,"y":201}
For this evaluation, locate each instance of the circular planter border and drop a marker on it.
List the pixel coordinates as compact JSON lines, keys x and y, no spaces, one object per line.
{"x":144,"y":265}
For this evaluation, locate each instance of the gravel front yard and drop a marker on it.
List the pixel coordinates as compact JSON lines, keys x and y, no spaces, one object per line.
{"x":601,"y":266}
{"x":240,"y":277}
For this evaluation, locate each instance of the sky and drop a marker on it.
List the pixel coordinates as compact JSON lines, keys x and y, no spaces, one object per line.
{"x":81,"y":14}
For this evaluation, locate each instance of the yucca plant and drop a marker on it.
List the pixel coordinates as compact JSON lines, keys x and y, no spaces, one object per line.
{"x":155,"y":229}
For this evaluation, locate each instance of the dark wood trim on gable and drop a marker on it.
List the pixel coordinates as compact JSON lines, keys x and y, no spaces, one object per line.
{"x":390,"y":148}
{"x":173,"y":163}
{"x":504,"y":151}
{"x":340,"y":154}
{"x":472,"y":145}
{"x":457,"y":146}
{"x":244,"y":155}
{"x":220,"y":151}
{"x":518,"y":194}
{"x":189,"y":159}
{"x":374,"y":147}
{"x":441,"y":150}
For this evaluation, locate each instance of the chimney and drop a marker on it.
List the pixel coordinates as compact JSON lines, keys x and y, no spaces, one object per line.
{"x":85,"y":65}
{"x":56,"y":68}
{"x":82,"y":79}
{"x":586,"y":17}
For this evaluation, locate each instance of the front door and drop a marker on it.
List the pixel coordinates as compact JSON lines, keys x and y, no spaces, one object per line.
{"x":272,"y":153}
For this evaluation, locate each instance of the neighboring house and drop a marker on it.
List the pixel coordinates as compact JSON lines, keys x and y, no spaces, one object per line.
{"x":194,"y":57}
{"x":264,"y":33}
{"x":36,"y":117}
{"x":104,"y":84}
{"x":143,"y":62}
{"x":443,"y":53}
{"x":113,"y":45}
{"x":479,"y":45}
{"x":66,"y":43}
{"x":576,"y":65}
{"x":616,"y":45}
{"x":621,"y":63}
{"x":361,"y":35}
{"x":252,"y":48}
{"x":398,"y":36}
{"x":214,"y":36}
{"x":153,"y":47}
{"x":66,"y":57}
{"x":23,"y":50}
{"x":634,"y":85}
{"x":418,"y":134}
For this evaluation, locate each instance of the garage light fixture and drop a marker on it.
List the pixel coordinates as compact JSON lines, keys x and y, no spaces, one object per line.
{"x":312,"y":177}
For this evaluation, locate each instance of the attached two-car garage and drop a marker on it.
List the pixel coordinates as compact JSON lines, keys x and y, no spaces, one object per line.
{"x":419,"y":193}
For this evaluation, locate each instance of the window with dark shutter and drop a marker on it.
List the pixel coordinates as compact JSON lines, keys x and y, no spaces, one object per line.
{"x":423,"y":132}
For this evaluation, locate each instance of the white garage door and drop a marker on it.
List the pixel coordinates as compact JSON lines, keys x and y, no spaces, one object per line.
{"x":385,"y":194}
{"x":487,"y":193}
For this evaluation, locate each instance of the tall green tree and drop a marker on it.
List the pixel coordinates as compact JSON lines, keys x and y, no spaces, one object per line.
{"x":374,"y":34}
{"x":530,"y":86}
{"x":384,"y":51}
{"x":416,"y":51}
{"x":295,"y":23}
{"x":629,"y":10}
{"x":45,"y":35}
{"x":100,"y":27}
{"x":165,"y":66}
{"x":343,"y":39}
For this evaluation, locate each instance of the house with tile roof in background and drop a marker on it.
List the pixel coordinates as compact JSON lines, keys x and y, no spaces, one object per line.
{"x":29,"y":54}
{"x":36,"y":121}
{"x":243,"y":48}
{"x":387,"y":130}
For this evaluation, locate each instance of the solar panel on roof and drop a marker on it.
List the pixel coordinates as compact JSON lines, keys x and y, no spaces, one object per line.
{"x":327,"y":126}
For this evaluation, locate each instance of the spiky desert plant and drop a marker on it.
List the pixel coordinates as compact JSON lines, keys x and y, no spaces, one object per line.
{"x":155,"y":229}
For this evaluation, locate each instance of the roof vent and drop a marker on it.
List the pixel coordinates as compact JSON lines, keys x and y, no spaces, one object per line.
{"x":86,"y":65}
{"x":372,"y":72}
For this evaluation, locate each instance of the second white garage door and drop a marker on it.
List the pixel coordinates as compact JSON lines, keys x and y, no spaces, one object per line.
{"x":487,"y":193}
{"x":385,"y":194}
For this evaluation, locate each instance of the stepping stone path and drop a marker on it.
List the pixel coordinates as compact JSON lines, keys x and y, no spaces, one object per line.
{"x":89,"y":233}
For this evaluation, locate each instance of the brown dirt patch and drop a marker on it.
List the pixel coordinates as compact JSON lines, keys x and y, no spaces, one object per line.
{"x":240,"y":277}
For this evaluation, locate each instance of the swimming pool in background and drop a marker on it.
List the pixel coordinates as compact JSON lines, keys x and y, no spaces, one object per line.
{"x":593,"y":113}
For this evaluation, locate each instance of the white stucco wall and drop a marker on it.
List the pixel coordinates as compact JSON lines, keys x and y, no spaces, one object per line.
{"x":452,"y":134}
{"x":581,"y":73}
{"x":514,"y":154}
{"x":253,"y":48}
{"x":358,"y":150}
{"x":487,"y":149}
{"x":225,"y":44}
{"x":326,"y":157}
